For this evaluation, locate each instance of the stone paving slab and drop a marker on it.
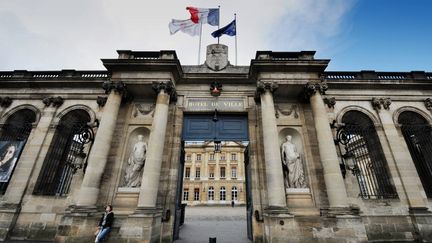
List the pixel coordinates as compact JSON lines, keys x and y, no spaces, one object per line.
{"x":225,"y":223}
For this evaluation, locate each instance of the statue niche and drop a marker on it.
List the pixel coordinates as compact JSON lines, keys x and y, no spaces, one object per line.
{"x":292,"y":165}
{"x":135,"y":163}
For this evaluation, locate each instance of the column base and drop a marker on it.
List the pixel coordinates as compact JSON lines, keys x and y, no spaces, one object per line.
{"x":8,"y":214}
{"x":421,"y":219}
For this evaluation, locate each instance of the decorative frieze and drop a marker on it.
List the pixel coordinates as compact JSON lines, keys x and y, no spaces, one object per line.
{"x":428,"y":103}
{"x":330,"y":102}
{"x":378,"y":103}
{"x":168,"y":88}
{"x":101,"y":101}
{"x":143,"y":110}
{"x":312,"y":87}
{"x":5,"y":102}
{"x":54,"y":101}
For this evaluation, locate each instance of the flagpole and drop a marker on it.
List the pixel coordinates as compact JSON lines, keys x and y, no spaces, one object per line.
{"x":219,"y":23}
{"x":235,"y":19}
{"x":199,"y":46}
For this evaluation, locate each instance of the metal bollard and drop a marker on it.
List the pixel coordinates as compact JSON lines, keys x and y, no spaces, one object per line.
{"x":212,"y":240}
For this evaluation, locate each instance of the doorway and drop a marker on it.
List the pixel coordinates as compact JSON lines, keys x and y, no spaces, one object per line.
{"x":213,"y":198}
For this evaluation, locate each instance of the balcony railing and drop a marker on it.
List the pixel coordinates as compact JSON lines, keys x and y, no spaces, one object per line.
{"x":63,"y":74}
{"x":379,"y":76}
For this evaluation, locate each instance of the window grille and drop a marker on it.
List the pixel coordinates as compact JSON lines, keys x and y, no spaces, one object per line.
{"x":418,"y":136}
{"x":186,"y":194}
{"x":56,"y":174}
{"x":234,"y":194}
{"x":364,"y":148}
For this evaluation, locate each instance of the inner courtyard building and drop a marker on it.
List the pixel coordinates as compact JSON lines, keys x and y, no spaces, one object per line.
{"x":312,"y":155}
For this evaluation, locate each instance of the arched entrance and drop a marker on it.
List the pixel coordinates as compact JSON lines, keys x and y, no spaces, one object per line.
{"x":216,"y":132}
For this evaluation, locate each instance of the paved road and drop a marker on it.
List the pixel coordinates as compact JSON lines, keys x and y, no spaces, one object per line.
{"x":225,"y":223}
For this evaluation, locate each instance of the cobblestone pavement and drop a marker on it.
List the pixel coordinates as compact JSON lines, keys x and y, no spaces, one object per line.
{"x":225,"y":223}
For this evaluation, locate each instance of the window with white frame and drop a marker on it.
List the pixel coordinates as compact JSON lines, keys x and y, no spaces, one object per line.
{"x":234,"y":195}
{"x":222,"y":194}
{"x":233,"y":156}
{"x":233,"y":172}
{"x":222,"y":156}
{"x":212,"y":157}
{"x":198,"y":157}
{"x":188,"y":157}
{"x":185,"y":194}
{"x":211,"y":193}
{"x":196,"y":194}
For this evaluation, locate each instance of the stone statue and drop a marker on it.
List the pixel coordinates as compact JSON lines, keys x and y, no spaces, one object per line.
{"x":292,"y":165}
{"x":136,"y":163}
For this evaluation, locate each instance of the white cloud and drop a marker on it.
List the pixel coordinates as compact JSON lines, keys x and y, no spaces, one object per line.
{"x":60,"y":34}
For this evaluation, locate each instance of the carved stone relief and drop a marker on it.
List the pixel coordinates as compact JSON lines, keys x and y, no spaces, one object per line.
{"x":143,"y":110}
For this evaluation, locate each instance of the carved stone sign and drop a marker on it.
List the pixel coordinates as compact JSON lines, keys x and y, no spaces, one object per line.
{"x":217,"y":57}
{"x":204,"y":104}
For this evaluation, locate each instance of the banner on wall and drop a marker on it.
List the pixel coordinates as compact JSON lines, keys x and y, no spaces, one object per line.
{"x":10,"y":152}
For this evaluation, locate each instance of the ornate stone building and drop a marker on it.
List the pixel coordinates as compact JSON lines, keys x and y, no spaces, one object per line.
{"x":332,"y":156}
{"x":214,"y":178}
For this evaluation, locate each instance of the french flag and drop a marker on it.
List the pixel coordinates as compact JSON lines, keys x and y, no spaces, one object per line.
{"x":198,"y":16}
{"x":204,"y":15}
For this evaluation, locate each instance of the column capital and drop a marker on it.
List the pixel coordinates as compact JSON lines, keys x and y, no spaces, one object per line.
{"x":5,"y":102}
{"x":428,"y":104}
{"x":378,"y":103}
{"x":167,"y":87}
{"x":119,"y":87}
{"x":262,"y":87}
{"x":312,"y":87}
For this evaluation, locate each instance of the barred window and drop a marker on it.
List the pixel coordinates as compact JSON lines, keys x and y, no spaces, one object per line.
{"x":13,"y":136}
{"x":56,"y":175}
{"x":211,"y":193}
{"x":370,"y":165}
{"x":418,"y":136}
{"x":222,"y":194}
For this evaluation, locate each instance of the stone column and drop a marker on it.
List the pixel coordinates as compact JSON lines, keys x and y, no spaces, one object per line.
{"x":151,"y":175}
{"x":273,"y":162}
{"x":335,"y":186}
{"x":89,"y":191}
{"x":411,"y":183}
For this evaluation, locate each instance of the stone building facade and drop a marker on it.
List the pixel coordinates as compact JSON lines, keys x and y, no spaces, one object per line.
{"x":359,"y":142}
{"x":214,"y":178}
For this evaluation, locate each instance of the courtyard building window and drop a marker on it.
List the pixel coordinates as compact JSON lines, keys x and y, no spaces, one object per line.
{"x":222,"y":172}
{"x":222,"y":156}
{"x":222,"y":194}
{"x":212,"y":157}
{"x":188,"y":157}
{"x":211,"y":173}
{"x":234,"y":172}
{"x":234,"y":195}
{"x":196,"y":194}
{"x":186,"y":194}
{"x":233,"y":156}
{"x":198,"y":157}
{"x":197,"y":172}
{"x":211,"y":193}
{"x":187,"y":172}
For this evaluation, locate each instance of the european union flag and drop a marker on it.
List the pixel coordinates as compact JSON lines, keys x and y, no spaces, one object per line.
{"x":230,"y":30}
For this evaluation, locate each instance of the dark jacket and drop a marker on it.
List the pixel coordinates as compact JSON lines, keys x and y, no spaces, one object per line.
{"x":108,"y":221}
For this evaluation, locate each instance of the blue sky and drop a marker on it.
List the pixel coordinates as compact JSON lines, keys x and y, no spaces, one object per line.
{"x":391,"y":35}
{"x":383,"y":35}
